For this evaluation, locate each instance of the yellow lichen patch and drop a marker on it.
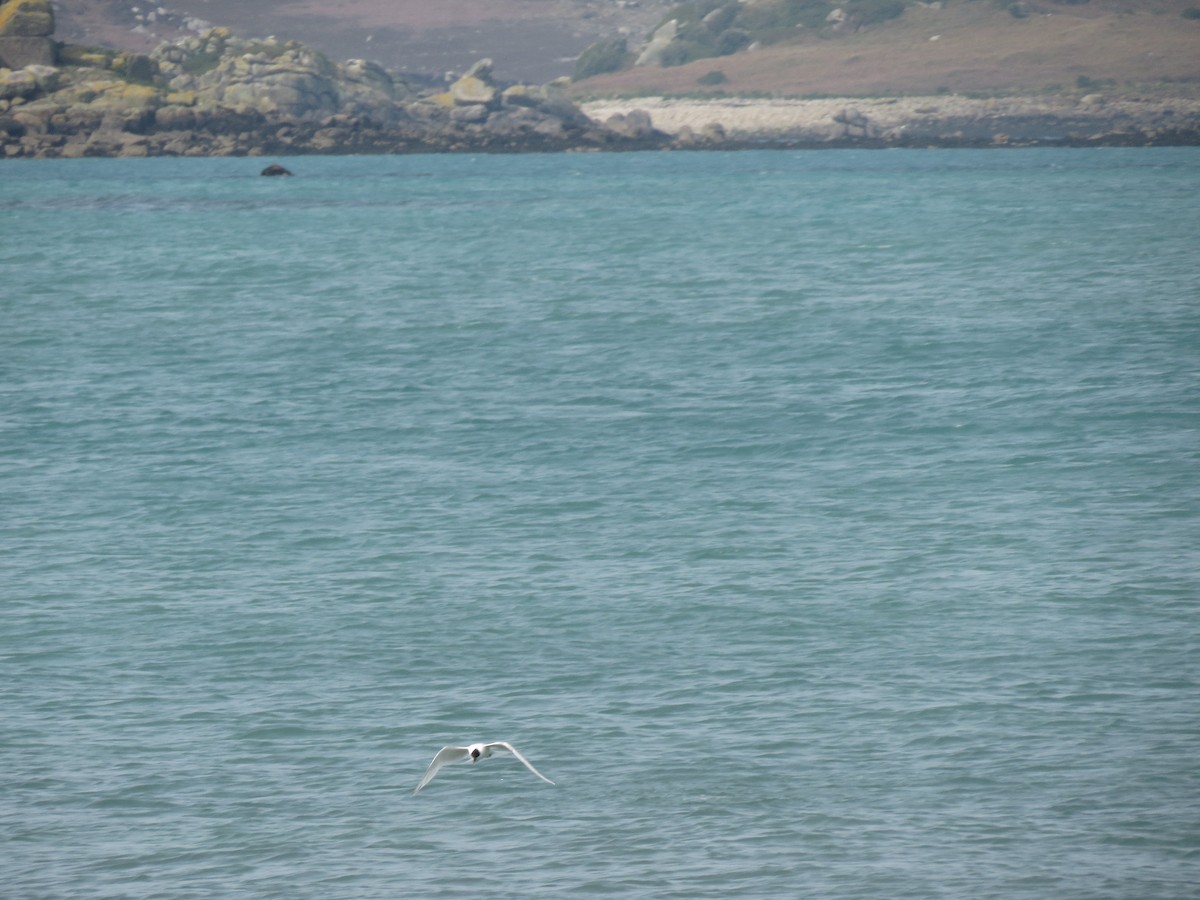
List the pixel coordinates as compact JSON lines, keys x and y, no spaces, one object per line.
{"x":518,"y":93}
{"x":84,"y":90}
{"x":27,"y":18}
{"x":471,"y":89}
{"x":109,"y":93}
{"x":181,"y":98}
{"x":445,"y":99}
{"x":75,"y":55}
{"x":134,"y":95}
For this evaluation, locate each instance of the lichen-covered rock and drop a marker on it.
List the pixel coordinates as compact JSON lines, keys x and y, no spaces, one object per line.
{"x":175,"y":118}
{"x":21,"y":83}
{"x":469,"y":91}
{"x":184,"y":61}
{"x":711,"y":134}
{"x":369,"y":76}
{"x":90,"y":57}
{"x":283,"y":93}
{"x":511,"y":121}
{"x":19,"y":52}
{"x":521,"y":95}
{"x":48,"y":77}
{"x":215,"y":94}
{"x":476,"y":86}
{"x":652,"y":54}
{"x":366,"y":88}
{"x":278,"y":78}
{"x":555,"y":102}
{"x":26,"y":18}
{"x":635,"y":124}
{"x":135,"y":66}
{"x":472,"y":112}
{"x":108,"y":93}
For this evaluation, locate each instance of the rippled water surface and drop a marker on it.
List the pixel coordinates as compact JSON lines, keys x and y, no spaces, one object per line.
{"x":823,"y":524}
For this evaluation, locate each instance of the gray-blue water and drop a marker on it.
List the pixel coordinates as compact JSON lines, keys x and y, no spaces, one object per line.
{"x":823,"y":524}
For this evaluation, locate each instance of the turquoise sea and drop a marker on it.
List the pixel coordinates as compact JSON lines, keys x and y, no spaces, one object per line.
{"x":825,"y":524}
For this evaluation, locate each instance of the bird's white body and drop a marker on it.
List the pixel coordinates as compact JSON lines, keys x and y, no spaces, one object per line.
{"x":473,"y":752}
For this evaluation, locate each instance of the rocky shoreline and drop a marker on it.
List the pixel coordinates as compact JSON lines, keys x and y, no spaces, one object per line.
{"x":940,"y":121}
{"x":215,"y":94}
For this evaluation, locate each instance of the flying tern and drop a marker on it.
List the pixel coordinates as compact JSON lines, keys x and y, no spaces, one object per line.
{"x":473,"y":752}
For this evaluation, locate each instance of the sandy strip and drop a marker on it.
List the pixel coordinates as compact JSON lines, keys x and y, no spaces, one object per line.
{"x":744,"y":117}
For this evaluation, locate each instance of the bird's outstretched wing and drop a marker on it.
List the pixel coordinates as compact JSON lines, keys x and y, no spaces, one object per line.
{"x":505,"y":745}
{"x":445,"y":755}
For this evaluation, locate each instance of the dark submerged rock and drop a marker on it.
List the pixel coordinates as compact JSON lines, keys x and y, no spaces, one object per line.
{"x":275,"y":169}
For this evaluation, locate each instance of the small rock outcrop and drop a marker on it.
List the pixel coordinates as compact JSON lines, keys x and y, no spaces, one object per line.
{"x":272,"y":77}
{"x":274,"y":170}
{"x":855,"y":124}
{"x":656,"y":47}
{"x":635,"y":124}
{"x":475,"y":88}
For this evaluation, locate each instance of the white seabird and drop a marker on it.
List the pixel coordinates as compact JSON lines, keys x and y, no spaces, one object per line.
{"x":474,"y":752}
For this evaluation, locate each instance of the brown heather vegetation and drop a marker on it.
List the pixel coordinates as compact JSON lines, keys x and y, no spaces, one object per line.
{"x":964,"y":47}
{"x":980,"y":47}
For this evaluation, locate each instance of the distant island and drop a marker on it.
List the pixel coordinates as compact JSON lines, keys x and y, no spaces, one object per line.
{"x":703,"y":74}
